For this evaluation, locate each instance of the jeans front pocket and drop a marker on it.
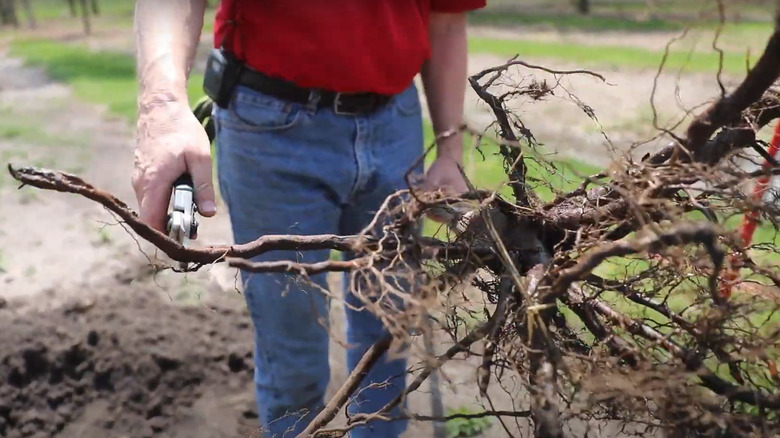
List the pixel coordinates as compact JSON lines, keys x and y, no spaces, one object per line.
{"x":252,"y":111}
{"x":407,"y":102}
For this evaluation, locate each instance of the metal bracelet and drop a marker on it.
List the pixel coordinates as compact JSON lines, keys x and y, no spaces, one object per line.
{"x":449,"y":133}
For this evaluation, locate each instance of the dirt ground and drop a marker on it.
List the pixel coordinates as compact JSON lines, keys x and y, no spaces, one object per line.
{"x":125,"y":365}
{"x":96,"y":343}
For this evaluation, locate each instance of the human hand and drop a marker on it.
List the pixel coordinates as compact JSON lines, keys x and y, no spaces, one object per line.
{"x":445,"y":175}
{"x":170,"y":142}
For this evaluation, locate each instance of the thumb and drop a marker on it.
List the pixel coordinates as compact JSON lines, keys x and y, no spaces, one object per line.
{"x":200,"y":170}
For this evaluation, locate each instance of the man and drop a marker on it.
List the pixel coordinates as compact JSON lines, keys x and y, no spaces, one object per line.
{"x":319,"y":130}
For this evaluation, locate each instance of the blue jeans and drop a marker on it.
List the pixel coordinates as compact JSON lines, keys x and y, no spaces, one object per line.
{"x":288,"y":168}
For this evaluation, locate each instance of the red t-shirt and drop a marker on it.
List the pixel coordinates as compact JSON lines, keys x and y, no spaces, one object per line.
{"x":339,"y":45}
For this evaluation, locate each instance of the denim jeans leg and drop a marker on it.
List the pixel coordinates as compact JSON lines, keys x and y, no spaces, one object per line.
{"x":278,"y":175}
{"x":388,"y":143}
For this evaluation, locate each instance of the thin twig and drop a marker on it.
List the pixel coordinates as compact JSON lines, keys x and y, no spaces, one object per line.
{"x":355,"y":378}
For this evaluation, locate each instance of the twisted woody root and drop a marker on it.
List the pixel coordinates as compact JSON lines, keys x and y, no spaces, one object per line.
{"x":558,"y":320}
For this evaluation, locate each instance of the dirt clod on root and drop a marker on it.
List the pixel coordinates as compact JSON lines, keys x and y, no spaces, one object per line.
{"x":131,"y":366}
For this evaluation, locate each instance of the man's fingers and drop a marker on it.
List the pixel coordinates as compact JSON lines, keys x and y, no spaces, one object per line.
{"x":200,"y":169}
{"x":154,"y":205}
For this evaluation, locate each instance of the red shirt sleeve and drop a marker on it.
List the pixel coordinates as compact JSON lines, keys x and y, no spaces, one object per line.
{"x":456,"y":5}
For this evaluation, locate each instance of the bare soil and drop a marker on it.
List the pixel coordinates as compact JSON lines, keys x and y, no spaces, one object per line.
{"x":125,"y":365}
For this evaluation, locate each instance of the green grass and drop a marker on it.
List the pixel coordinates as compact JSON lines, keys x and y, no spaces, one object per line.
{"x":15,"y":126}
{"x":610,"y":56}
{"x":18,"y":131}
{"x":101,"y":77}
{"x":613,"y":15}
{"x":485,"y":169}
{"x":509,"y":17}
{"x":114,"y":15}
{"x":466,"y":427}
{"x":54,"y":9}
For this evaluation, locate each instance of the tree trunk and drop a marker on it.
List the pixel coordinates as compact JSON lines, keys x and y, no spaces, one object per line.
{"x":583,"y":7}
{"x":72,"y":6}
{"x":85,"y":17}
{"x":8,"y":13}
{"x":29,"y":12}
{"x":95,"y":8}
{"x":652,"y":9}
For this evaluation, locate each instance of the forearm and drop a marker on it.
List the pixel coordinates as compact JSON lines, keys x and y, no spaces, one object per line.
{"x":166,"y":36}
{"x":444,"y":80}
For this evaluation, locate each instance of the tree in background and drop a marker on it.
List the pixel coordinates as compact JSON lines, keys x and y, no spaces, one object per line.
{"x":583,"y":7}
{"x":85,"y":17}
{"x":29,"y":12}
{"x":8,"y":13}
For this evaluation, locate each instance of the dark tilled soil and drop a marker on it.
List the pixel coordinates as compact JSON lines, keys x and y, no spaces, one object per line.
{"x":133,"y":366}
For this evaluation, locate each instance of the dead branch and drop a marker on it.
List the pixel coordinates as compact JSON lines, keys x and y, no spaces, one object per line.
{"x":462,"y":346}
{"x":728,"y":109}
{"x":63,"y":182}
{"x":682,"y":234}
{"x":67,"y":183}
{"x":291,"y":267}
{"x":370,"y":357}
{"x":693,"y":364}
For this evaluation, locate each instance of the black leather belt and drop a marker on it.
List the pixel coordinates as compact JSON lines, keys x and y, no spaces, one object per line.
{"x":341,"y":103}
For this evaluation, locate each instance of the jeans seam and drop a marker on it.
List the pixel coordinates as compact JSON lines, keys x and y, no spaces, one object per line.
{"x":361,"y":152}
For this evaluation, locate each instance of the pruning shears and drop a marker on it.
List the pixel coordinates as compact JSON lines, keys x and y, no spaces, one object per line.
{"x":182,"y":225}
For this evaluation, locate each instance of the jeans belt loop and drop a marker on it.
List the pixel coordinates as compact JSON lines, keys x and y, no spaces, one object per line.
{"x":314,"y":100}
{"x":337,"y":106}
{"x":367,"y":106}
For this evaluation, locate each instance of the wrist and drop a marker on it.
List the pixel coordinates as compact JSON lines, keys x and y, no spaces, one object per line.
{"x":449,"y":146}
{"x":159,"y":90}
{"x":149,"y":102}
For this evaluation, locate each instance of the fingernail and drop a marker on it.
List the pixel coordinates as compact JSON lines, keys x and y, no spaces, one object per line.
{"x":208,"y":207}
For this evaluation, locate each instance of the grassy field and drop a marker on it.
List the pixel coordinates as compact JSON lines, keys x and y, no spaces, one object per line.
{"x":103,"y":77}
{"x":49,"y":10}
{"x":619,"y":15}
{"x":612,"y":56}
{"x":567,"y":22}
